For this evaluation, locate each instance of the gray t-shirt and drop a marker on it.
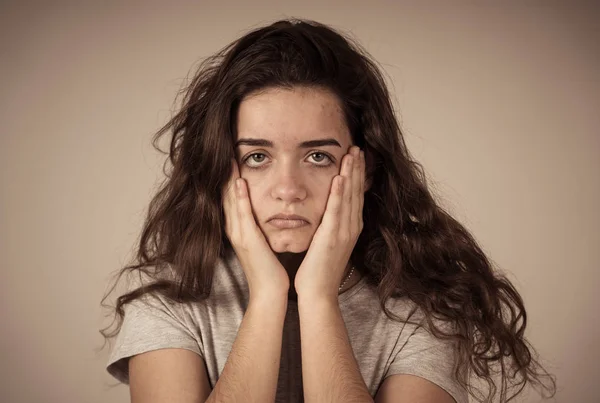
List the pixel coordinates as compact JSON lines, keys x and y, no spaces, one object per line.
{"x":382,"y":347}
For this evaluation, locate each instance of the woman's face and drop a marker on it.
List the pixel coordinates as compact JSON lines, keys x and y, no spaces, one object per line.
{"x":289,"y":147}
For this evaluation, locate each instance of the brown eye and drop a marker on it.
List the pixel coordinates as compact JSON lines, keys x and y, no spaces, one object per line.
{"x":317,"y":155}
{"x":321,"y":160}
{"x":255,"y":160}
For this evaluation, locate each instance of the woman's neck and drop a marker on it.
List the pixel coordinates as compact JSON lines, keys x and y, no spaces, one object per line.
{"x":291,"y":262}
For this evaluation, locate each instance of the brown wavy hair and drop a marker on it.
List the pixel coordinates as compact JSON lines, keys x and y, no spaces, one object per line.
{"x":410,"y":246}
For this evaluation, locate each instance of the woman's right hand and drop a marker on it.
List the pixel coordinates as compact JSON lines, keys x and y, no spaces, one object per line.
{"x":264,"y":273}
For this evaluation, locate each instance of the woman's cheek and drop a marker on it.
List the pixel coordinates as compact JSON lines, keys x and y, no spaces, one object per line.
{"x":254,"y":192}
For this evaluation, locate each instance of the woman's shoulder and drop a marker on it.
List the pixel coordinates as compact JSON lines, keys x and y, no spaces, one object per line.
{"x":225,"y":271}
{"x":365,"y":303}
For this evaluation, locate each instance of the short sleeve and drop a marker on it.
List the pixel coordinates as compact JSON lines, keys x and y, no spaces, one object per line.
{"x":150,"y":323}
{"x":428,"y":357}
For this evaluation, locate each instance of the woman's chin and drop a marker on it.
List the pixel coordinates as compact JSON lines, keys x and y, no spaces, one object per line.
{"x":281,"y":245}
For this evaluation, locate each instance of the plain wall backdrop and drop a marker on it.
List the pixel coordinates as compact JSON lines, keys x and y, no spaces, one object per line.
{"x":498,"y":100}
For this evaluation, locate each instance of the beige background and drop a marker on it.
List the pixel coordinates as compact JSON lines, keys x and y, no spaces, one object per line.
{"x":499,"y":101}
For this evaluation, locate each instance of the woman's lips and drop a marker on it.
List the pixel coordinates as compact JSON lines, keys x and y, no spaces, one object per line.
{"x":285,"y":223}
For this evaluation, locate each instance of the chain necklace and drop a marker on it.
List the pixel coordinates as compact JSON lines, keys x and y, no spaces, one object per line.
{"x":344,"y":282}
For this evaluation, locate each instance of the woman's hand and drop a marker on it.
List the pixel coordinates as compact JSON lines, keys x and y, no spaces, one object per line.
{"x":322,"y":269}
{"x":263,"y":271}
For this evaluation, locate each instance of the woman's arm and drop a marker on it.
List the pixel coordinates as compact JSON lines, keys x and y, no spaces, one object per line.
{"x":330,"y":372}
{"x":252,"y":369}
{"x":250,"y":373}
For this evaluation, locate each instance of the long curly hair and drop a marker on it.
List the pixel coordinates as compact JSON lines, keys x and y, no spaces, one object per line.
{"x":410,"y":247}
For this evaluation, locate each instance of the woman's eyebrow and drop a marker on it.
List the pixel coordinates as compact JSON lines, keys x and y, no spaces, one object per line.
{"x":304,"y":144}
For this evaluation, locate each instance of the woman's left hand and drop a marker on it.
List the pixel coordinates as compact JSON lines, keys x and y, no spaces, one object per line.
{"x":322,"y":269}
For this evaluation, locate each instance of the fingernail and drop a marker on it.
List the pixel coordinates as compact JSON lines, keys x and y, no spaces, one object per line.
{"x":238,"y":183}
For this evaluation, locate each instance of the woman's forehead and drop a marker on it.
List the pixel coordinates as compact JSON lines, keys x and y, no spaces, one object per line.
{"x":292,"y":117}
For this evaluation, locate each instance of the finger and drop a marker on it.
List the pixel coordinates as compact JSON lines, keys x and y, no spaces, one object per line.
{"x":336,"y":194}
{"x":355,"y":202}
{"x":237,"y":217}
{"x":226,"y":197}
{"x":229,"y":190}
{"x":363,"y":171}
{"x":248,"y":224}
{"x":334,"y":203}
{"x":229,"y":200}
{"x":356,"y":171}
{"x":346,"y":208}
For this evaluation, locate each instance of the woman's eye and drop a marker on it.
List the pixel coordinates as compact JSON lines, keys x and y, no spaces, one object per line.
{"x":319,"y":159}
{"x":323,"y":160}
{"x":256,"y":158}
{"x":317,"y":155}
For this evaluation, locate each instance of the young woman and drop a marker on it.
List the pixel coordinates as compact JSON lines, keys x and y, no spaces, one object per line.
{"x":294,"y":252}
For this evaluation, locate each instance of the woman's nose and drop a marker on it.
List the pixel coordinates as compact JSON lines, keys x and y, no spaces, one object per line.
{"x":288,"y":186}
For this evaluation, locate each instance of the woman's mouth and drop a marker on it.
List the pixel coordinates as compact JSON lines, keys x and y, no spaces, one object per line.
{"x":287,"y":223}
